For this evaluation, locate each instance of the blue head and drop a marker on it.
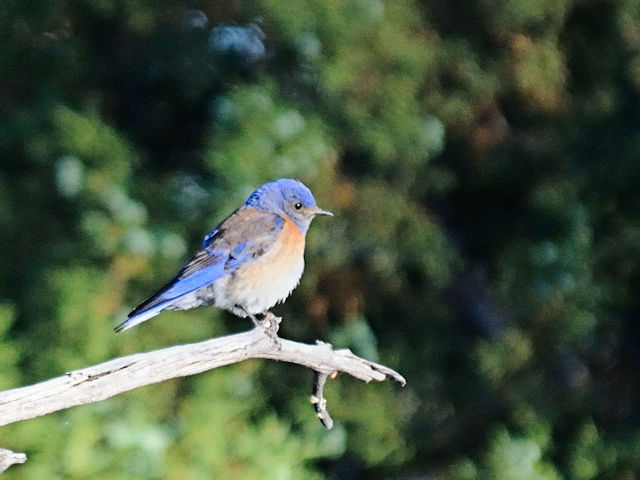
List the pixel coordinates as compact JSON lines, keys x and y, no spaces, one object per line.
{"x":288,"y":198}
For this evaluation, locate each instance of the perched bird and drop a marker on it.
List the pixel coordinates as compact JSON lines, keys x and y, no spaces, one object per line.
{"x":251,"y":261}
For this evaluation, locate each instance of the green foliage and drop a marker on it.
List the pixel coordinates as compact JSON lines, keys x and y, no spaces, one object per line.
{"x":217,"y":440}
{"x":517,"y":459}
{"x":481,"y":159}
{"x":366,"y":75}
{"x":8,"y":350}
{"x":259,"y":137}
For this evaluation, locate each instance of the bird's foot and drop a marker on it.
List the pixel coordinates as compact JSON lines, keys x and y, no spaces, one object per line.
{"x":269,"y":324}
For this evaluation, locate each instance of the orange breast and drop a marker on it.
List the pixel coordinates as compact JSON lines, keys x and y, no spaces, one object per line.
{"x":292,"y":244}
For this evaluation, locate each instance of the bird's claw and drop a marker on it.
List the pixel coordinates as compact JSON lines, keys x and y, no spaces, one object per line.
{"x":275,"y":340}
{"x":270,"y":324}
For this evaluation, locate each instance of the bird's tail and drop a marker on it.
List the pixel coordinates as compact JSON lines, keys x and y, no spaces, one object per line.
{"x":138,"y":318}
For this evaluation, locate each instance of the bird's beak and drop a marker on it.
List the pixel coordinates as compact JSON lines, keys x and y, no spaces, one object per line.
{"x":318,"y":211}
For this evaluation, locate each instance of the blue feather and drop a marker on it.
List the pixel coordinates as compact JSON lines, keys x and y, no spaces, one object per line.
{"x":194,"y":281}
{"x":142,"y":316}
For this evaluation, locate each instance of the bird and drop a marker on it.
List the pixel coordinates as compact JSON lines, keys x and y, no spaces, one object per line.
{"x":250,"y":262}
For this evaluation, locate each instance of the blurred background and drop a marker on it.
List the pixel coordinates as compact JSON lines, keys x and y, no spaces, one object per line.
{"x":483,"y":161}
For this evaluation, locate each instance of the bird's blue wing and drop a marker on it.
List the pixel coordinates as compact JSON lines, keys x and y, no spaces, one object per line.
{"x":199,"y":276}
{"x":201,"y":270}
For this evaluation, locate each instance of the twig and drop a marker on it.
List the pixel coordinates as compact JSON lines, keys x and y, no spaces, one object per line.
{"x":98,"y":382}
{"x":8,"y":458}
{"x":318,"y":400}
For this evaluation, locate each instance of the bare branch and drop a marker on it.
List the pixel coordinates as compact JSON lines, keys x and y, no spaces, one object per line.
{"x":318,"y":400}
{"x":8,"y":458}
{"x":119,"y":375}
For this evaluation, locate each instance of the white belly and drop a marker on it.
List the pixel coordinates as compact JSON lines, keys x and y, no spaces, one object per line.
{"x":256,"y":292}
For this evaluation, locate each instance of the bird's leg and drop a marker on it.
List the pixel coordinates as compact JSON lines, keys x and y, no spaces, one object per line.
{"x":253,"y":318}
{"x":269,"y":324}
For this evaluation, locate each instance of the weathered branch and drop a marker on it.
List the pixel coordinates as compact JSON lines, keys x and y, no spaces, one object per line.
{"x":119,"y":375}
{"x":8,"y":458}
{"x":318,"y":400}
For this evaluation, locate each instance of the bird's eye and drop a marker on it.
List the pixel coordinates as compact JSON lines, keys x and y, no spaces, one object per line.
{"x":297,"y":206}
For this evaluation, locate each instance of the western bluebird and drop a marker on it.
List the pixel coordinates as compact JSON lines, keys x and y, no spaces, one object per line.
{"x":251,"y":261}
